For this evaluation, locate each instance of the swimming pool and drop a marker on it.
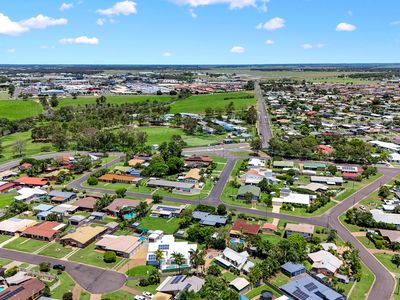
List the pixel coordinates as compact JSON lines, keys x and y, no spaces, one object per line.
{"x":236,"y":241}
{"x":129,"y":216}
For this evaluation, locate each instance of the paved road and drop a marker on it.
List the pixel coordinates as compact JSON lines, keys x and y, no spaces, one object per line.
{"x":92,"y":279}
{"x":383,"y":286}
{"x":263,"y":121}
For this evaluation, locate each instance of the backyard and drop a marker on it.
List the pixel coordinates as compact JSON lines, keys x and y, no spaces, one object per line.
{"x":169,"y":226}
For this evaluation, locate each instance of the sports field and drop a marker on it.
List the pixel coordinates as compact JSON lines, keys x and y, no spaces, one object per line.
{"x":199,"y":103}
{"x":112,"y":99}
{"x":18,"y":109}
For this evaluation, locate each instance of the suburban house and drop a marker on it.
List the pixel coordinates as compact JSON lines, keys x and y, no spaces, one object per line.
{"x":77,"y":220}
{"x":314,"y":166}
{"x":46,"y":231}
{"x":207,"y":219}
{"x":269,"y":228}
{"x":291,"y":269}
{"x":114,"y":207}
{"x":196,"y":161}
{"x":168,"y":245}
{"x":292,"y":198}
{"x":7,"y":174}
{"x":15,"y":225}
{"x":83,"y":236}
{"x":391,"y":236}
{"x":123,"y":245}
{"x":173,"y":285}
{"x":230,"y":258}
{"x":241,"y":226}
{"x":31,"y":181}
{"x":166,"y":211}
{"x":192,"y":176}
{"x":314,"y":187}
{"x":63,"y":210}
{"x":256,"y":163}
{"x":305,"y":230}
{"x":135,"y":161}
{"x":175,"y":186}
{"x":27,"y":194}
{"x":252,"y":177}
{"x":307,"y":287}
{"x":61,"y":197}
{"x":324,"y":262}
{"x":119,"y":178}
{"x":327,"y":180}
{"x":251,"y":191}
{"x":283,"y":164}
{"x":86,"y":203}
{"x":240,"y":284}
{"x":30,"y":289}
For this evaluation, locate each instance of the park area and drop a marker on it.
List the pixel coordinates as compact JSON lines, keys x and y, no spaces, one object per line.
{"x":19,"y":109}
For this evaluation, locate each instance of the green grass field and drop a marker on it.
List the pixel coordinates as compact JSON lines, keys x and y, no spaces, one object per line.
{"x":112,"y":99}
{"x":385,"y":259}
{"x":6,"y":200}
{"x":18,"y":109}
{"x":158,"y":135}
{"x":30,"y":147}
{"x":198,"y":103}
{"x":118,"y":295}
{"x":135,"y":284}
{"x":169,"y":226}
{"x":93,"y":257}
{"x":140,"y":271}
{"x":56,"y":250}
{"x":259,"y":290}
{"x":362,"y":287}
{"x":25,"y":244}
{"x":352,"y":187}
{"x":66,"y":285}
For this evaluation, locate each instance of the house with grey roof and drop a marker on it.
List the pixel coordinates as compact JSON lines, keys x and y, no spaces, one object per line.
{"x":175,"y":284}
{"x":252,"y":190}
{"x":207,"y":219}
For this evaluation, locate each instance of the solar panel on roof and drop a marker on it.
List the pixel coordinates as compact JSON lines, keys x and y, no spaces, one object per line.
{"x":13,"y":293}
{"x":177,"y":279}
{"x":311,"y":286}
{"x":300,"y":294}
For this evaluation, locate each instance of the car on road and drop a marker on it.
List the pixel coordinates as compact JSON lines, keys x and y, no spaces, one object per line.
{"x":138,"y":297}
{"x":59,"y":267}
{"x":148,"y":295}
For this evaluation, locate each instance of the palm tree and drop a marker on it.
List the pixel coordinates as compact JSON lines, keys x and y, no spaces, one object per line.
{"x":141,"y":209}
{"x":159,"y":256}
{"x":179,"y":259}
{"x":197,"y":258}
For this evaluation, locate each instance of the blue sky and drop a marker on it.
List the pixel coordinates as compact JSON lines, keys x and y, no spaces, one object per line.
{"x":199,"y":31}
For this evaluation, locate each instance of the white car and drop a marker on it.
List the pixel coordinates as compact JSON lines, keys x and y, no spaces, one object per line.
{"x":138,"y":297}
{"x":148,"y":295}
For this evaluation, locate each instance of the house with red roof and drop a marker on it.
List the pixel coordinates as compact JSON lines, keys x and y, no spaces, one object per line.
{"x":269,"y":228}
{"x":45,"y":231}
{"x":24,"y":166}
{"x":31,"y":181}
{"x":325,"y":149}
{"x":241,"y":226}
{"x":350,"y":176}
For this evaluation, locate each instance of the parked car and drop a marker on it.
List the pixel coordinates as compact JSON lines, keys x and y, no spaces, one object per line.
{"x":138,"y":297}
{"x":59,"y":267}
{"x":148,"y":295}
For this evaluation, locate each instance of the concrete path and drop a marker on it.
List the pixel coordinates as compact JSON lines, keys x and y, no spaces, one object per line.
{"x":359,"y":233}
{"x":276,"y":209}
{"x":9,"y":240}
{"x":76,"y":292}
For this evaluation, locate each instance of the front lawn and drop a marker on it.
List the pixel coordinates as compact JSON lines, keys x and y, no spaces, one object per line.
{"x":386,"y":260}
{"x":25,"y":244}
{"x":280,"y":279}
{"x":6,"y":200}
{"x":67,"y":284}
{"x":352,"y":187}
{"x":91,"y":256}
{"x":135,"y":284}
{"x":56,"y":250}
{"x":261,"y":289}
{"x":362,"y":287}
{"x":4,"y":237}
{"x":140,"y":271}
{"x":272,"y":238}
{"x":169,"y":226}
{"x":118,"y":295}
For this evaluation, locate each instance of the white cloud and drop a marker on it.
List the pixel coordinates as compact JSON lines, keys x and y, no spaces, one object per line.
{"x":345,"y":27}
{"x":263,"y":6}
{"x":11,"y":50}
{"x":66,"y":6}
{"x":269,"y":42}
{"x":120,"y":8}
{"x":192,"y":13}
{"x":101,"y":21}
{"x":80,"y":40}
{"x":232,"y":3}
{"x":9,"y":27}
{"x":395,"y":23}
{"x":309,"y":46}
{"x":41,"y":21}
{"x":47,"y":47}
{"x":167,"y":54}
{"x":237,"y":49}
{"x":273,"y":24}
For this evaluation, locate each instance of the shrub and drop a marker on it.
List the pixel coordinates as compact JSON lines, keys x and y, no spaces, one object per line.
{"x":110,"y":257}
{"x":44,"y":267}
{"x":92,"y":180}
{"x":11,"y":272}
{"x":144,"y":282}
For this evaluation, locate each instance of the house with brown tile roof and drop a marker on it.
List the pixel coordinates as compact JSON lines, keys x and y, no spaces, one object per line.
{"x":86,"y":203}
{"x":28,"y":290}
{"x":119,"y":203}
{"x":241,"y":226}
